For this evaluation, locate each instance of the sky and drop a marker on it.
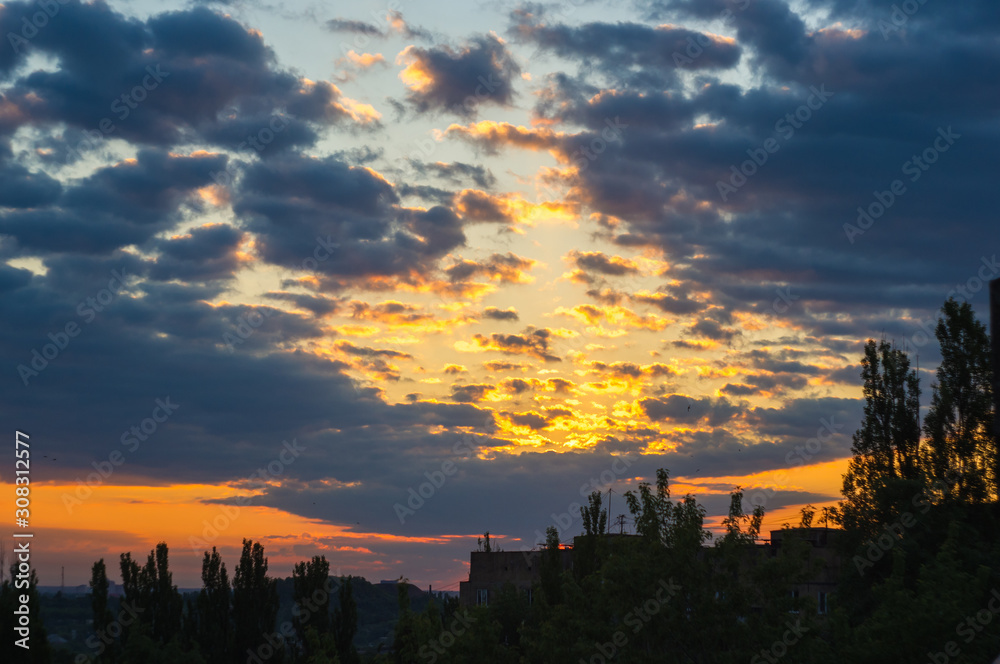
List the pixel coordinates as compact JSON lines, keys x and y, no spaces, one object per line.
{"x":368,"y":280}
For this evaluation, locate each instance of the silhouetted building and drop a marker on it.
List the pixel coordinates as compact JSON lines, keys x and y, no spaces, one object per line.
{"x":822,"y":557}
{"x":489,"y":571}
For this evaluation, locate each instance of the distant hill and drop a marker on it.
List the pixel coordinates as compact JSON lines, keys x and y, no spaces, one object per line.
{"x":378,"y":608}
{"x":69,"y":615}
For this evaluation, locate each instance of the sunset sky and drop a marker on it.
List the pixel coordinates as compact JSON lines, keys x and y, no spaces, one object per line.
{"x":320,"y":254}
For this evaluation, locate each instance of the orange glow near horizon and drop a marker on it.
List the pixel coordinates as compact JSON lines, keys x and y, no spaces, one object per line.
{"x":73,"y":531}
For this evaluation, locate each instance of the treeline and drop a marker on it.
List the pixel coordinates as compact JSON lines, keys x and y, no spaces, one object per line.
{"x":921,"y":518}
{"x":226,"y":622}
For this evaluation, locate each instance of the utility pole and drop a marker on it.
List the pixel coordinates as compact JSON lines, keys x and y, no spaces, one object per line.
{"x":609,"y":510}
{"x":621,"y":524}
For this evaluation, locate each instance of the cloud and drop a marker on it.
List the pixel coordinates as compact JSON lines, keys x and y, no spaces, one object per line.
{"x":459,"y":80}
{"x":504,"y":268}
{"x":471,"y":393}
{"x":206,"y":253}
{"x":531,"y":420}
{"x":353,"y":27}
{"x":617,"y":47}
{"x":632,"y":370}
{"x":533,"y":342}
{"x":116,"y":206}
{"x":500,"y":314}
{"x":601,"y":263}
{"x":503,"y":365}
{"x":456,"y":172}
{"x":669,"y":303}
{"x":404,"y":28}
{"x":711,"y":329}
{"x":614,"y":315}
{"x":186,"y":76}
{"x":344,"y":219}
{"x":682,"y":408}
{"x":362,"y":61}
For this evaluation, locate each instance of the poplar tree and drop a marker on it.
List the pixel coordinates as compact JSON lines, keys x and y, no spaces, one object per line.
{"x":961,"y":448}
{"x":885,"y":469}
{"x":255,"y":602}
{"x":214,"y":632}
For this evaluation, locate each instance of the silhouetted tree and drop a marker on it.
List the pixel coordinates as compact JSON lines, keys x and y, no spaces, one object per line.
{"x":255,"y":602}
{"x":99,"y":604}
{"x":214,"y":632}
{"x":590,"y":547}
{"x":406,"y":636}
{"x":345,"y":622}
{"x":133,"y":595}
{"x":959,"y":422}
{"x":310,"y":581}
{"x":165,"y":603}
{"x":551,"y":567}
{"x":885,"y":469}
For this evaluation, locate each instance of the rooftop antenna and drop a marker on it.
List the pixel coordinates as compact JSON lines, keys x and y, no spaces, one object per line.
{"x":609,"y":509}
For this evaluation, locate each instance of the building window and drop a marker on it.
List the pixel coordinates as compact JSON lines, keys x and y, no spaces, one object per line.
{"x":482,"y":594}
{"x":821,"y":604}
